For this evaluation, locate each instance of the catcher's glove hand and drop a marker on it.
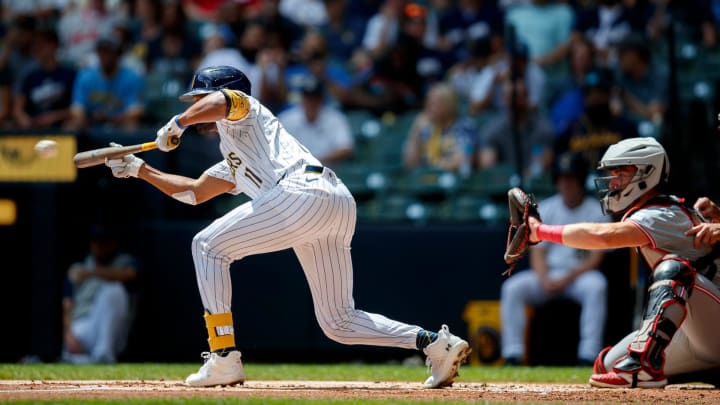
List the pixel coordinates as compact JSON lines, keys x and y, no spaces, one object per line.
{"x":522,"y":206}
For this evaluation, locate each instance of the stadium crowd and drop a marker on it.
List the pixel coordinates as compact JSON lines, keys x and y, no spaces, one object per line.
{"x":466,"y":79}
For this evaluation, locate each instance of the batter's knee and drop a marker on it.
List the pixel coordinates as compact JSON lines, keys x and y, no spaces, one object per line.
{"x":335,"y":329}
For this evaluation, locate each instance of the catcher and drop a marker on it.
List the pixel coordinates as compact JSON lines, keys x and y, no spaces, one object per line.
{"x":678,"y":335}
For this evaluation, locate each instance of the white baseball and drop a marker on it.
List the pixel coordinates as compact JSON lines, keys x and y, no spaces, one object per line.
{"x":46,"y":148}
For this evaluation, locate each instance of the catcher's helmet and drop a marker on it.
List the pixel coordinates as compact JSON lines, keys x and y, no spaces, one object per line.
{"x":210,"y":79}
{"x":653,"y":166}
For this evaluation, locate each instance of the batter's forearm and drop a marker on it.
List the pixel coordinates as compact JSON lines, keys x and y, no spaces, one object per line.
{"x":210,"y":108}
{"x":167,"y":183}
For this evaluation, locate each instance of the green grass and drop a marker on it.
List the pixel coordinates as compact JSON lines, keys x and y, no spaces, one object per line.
{"x":343,"y":372}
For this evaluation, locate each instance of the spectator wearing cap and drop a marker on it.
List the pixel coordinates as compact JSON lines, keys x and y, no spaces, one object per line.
{"x":559,"y":271}
{"x":644,"y":84}
{"x":42,"y":97}
{"x":322,"y":129}
{"x":600,"y":124}
{"x":486,"y":93}
{"x":108,"y":95}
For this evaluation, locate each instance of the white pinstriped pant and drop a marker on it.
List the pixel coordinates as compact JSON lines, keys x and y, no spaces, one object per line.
{"x":315,"y":215}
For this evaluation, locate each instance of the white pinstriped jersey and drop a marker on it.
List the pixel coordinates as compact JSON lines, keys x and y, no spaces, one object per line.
{"x":257,"y":151}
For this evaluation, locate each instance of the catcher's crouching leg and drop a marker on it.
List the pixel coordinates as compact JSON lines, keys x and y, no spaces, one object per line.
{"x":672,"y":282}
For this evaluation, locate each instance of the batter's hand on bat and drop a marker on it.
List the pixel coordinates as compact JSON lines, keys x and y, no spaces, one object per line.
{"x":126,"y":166}
{"x":168,"y":137}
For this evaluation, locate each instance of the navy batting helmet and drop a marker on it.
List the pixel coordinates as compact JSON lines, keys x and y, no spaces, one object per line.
{"x":210,"y":79}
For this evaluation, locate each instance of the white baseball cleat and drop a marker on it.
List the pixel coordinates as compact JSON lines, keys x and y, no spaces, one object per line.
{"x":218,"y":370}
{"x":444,"y":357}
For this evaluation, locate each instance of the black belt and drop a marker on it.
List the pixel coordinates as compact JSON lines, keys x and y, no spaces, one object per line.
{"x":314,"y":169}
{"x":308,"y":169}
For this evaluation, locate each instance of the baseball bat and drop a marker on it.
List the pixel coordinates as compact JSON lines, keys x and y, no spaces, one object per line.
{"x":96,"y":157}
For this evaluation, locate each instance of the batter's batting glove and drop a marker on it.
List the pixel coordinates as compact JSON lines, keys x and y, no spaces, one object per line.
{"x":126,"y":166}
{"x":168,"y":137}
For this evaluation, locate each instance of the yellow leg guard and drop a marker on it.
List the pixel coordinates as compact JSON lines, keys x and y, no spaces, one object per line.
{"x":213,"y":321}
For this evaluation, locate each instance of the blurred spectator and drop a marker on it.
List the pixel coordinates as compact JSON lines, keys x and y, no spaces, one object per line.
{"x":431,"y":64}
{"x":644,"y":84}
{"x":307,"y":13}
{"x":324,"y":130}
{"x":487,"y":90}
{"x":391,"y":83}
{"x":174,"y":17}
{"x":16,"y":53}
{"x":15,"y":57}
{"x":440,"y":137}
{"x":462,"y":74}
{"x":382,"y":29}
{"x":42,"y":97}
{"x":133,"y":54}
{"x":148,"y":15}
{"x":312,"y":59}
{"x":693,"y":18}
{"x":204,"y":10}
{"x":107,"y":95}
{"x":468,"y":20}
{"x":559,"y":271}
{"x":79,"y":29}
{"x":46,"y":12}
{"x":219,"y":50}
{"x":566,"y":98}
{"x":281,"y":30}
{"x":607,"y":24}
{"x":343,"y":32}
{"x":545,"y":26}
{"x":98,"y":304}
{"x":174,"y":55}
{"x":534,"y":132}
{"x":601,"y":123}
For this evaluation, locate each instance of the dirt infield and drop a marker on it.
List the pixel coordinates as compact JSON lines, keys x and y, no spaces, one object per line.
{"x":509,"y":392}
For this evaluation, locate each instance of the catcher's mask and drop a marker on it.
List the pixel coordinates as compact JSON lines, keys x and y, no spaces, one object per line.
{"x":618,"y":192}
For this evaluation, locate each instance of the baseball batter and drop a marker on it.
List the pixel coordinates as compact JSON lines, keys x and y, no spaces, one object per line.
{"x":681,"y":322}
{"x":296,"y":203}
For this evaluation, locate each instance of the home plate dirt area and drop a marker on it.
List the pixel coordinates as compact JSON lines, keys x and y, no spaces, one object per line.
{"x":507,"y":392}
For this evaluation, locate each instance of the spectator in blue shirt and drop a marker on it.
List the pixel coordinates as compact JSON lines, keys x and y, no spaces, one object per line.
{"x":107,"y":95}
{"x":42,"y":96}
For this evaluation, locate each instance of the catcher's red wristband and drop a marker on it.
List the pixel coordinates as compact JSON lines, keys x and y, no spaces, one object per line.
{"x":550,"y":233}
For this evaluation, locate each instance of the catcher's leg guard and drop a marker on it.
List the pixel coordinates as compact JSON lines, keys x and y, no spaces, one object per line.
{"x":599,"y":365}
{"x":215,"y":341}
{"x":672,"y":283}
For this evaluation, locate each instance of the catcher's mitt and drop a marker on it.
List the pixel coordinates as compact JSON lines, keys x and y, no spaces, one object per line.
{"x":522,"y":206}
